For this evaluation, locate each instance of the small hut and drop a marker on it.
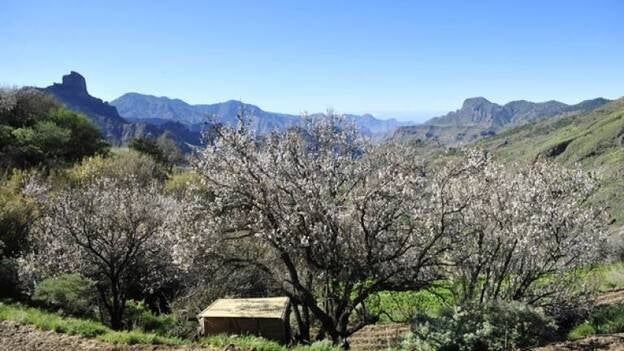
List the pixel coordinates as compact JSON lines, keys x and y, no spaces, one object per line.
{"x":265,"y":317}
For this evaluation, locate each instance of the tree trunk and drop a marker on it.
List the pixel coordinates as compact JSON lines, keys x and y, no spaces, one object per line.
{"x":118,"y":305}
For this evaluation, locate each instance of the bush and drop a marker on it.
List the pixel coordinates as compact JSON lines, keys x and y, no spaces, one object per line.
{"x":400,"y":306}
{"x":581,"y":331}
{"x":119,"y":166}
{"x":36,"y":131}
{"x":607,"y":319}
{"x":250,"y":342}
{"x":71,"y":293}
{"x":136,"y":337}
{"x":243,"y":342}
{"x":138,"y":316}
{"x":499,"y":326}
{"x":322,"y":345}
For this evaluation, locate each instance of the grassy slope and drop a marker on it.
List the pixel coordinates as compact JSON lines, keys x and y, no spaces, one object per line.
{"x":93,"y":329}
{"x":595,"y":142}
{"x":82,"y":327}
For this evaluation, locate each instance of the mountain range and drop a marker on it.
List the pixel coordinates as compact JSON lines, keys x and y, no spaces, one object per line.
{"x":478,"y":118}
{"x":72,"y":92}
{"x":135,"y":115}
{"x":140,"y":107}
{"x":591,"y":140}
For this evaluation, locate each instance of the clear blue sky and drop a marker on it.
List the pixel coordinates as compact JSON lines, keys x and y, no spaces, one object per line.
{"x":408,"y":59}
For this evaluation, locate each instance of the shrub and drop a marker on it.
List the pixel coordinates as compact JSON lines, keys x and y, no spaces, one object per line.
{"x":138,"y":316}
{"x":322,"y":345}
{"x":242,"y":342}
{"x":400,"y":306}
{"x":136,"y":337}
{"x":119,"y":166}
{"x":607,"y":319}
{"x":498,"y":326}
{"x":36,"y":131}
{"x":72,"y":293}
{"x":581,"y":331}
{"x":185,"y":184}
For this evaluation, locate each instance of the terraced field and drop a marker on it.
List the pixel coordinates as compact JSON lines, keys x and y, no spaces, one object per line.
{"x":378,"y":337}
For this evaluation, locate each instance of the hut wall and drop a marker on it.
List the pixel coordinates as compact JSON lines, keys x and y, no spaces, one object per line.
{"x":268,"y":328}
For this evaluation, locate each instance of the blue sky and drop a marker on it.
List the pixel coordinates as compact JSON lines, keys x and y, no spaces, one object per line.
{"x":405,"y":59}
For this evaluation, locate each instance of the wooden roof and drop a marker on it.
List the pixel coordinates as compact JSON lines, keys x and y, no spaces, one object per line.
{"x":269,"y":307}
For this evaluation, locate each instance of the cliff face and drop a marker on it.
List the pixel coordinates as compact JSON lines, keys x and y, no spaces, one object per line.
{"x":72,"y":93}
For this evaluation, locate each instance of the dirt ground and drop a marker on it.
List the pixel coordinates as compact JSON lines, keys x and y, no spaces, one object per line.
{"x":14,"y":337}
{"x":613,"y":342}
{"x":611,"y":297}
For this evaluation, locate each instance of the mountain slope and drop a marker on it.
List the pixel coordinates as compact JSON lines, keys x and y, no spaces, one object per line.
{"x":72,"y":93}
{"x":478,"y":117}
{"x":139,"y":107}
{"x":592,"y":140}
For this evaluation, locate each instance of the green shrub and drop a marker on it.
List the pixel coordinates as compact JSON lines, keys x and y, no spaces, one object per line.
{"x":400,"y":306}
{"x":322,"y":345}
{"x":136,"y":337}
{"x":499,"y":326}
{"x":242,"y":341}
{"x":138,"y":316}
{"x":72,"y":293}
{"x":607,"y":319}
{"x":581,"y":331}
{"x":36,"y":131}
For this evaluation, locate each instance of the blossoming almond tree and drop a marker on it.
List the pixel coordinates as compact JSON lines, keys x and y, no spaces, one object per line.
{"x":328,"y":217}
{"x":109,"y":230}
{"x":522,"y":231}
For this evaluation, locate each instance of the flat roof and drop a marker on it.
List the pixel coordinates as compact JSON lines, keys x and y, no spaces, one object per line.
{"x":266,"y":307}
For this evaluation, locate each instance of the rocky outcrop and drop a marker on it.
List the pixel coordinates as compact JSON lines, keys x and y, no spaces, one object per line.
{"x":479,"y":117}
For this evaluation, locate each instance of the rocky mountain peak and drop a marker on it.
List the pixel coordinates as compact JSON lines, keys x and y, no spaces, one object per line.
{"x":476,"y":102}
{"x":75,"y":81}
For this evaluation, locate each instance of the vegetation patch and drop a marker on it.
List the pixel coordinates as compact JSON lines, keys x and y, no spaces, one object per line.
{"x":250,"y":342}
{"x":81,"y":327}
{"x":605,"y":319}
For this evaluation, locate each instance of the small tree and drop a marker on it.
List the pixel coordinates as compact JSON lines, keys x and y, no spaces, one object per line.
{"x":163,"y":150}
{"x":108,"y":230}
{"x":522,"y":231}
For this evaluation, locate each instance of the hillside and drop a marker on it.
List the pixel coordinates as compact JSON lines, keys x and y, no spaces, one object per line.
{"x":593,"y":140}
{"x":479,"y":117}
{"x":72,"y":92}
{"x":139,"y":107}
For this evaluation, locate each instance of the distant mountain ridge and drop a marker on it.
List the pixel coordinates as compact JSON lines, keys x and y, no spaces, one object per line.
{"x":140,"y":107}
{"x":72,"y":92}
{"x":479,"y":117}
{"x":135,"y":115}
{"x":593,"y":140}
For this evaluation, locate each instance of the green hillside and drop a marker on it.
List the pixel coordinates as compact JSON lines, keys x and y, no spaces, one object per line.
{"x":593,"y":140}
